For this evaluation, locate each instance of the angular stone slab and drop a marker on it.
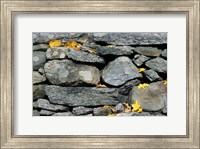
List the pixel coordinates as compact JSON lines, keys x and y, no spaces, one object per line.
{"x":81,"y":110}
{"x":151,"y":98}
{"x":46,"y":105}
{"x":125,"y":89}
{"x":152,"y":75}
{"x":38,"y":78}
{"x":148,"y":51}
{"x":40,"y":47}
{"x":157,"y":64}
{"x":81,"y":96}
{"x":140,"y":59}
{"x":39,"y":58}
{"x":119,"y":71}
{"x":80,"y":56}
{"x":66,"y":72}
{"x":132,"y":38}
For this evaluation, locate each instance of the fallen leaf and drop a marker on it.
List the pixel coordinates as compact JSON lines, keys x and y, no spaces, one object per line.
{"x":106,"y":107}
{"x":136,"y":106}
{"x":141,"y":69}
{"x":127,"y":105}
{"x":73,"y":44}
{"x":139,"y":110}
{"x":55,"y":43}
{"x":84,"y":40}
{"x":142,"y":85}
{"x":112,"y":114}
{"x":92,"y":51}
{"x":99,"y":85}
{"x":165,"y":82}
{"x":113,"y":109}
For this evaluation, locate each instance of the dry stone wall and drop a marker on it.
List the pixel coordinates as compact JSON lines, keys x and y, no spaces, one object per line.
{"x":103,"y":76}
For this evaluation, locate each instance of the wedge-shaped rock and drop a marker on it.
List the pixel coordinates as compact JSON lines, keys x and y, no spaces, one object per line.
{"x":46,"y":105}
{"x":81,"y":96}
{"x":157,"y":64}
{"x":66,"y":72}
{"x":140,"y":59}
{"x":148,"y":51}
{"x":38,"y":78}
{"x":119,"y":71}
{"x":151,"y":98}
{"x":152,"y":75}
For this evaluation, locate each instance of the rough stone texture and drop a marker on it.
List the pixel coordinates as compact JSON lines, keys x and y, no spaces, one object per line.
{"x":119,"y":71}
{"x":38,"y":78}
{"x":46,"y":113}
{"x":110,"y":50}
{"x":101,"y":111}
{"x":40,"y":47}
{"x":38,"y":91}
{"x":119,"y":107}
{"x":57,"y":53}
{"x":140,"y":59}
{"x":39,"y":58}
{"x":44,"y":37}
{"x":41,"y":71}
{"x":164,"y":53}
{"x":63,"y":114}
{"x":134,"y":114}
{"x":158,"y":64}
{"x":82,"y":96}
{"x":36,"y":113}
{"x":151,"y":98}
{"x":81,"y":110}
{"x":45,"y":104}
{"x":66,"y":72}
{"x":148,"y":51}
{"x":152,"y":75}
{"x":125,"y":89}
{"x":132,"y":38}
{"x":164,"y":111}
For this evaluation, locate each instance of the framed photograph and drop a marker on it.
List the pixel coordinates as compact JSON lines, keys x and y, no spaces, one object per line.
{"x":99,"y":74}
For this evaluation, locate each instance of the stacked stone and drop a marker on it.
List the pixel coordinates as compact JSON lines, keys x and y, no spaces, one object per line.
{"x":65,"y":81}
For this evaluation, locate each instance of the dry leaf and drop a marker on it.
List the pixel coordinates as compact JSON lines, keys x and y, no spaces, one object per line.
{"x":106,"y":107}
{"x":92,"y":51}
{"x":113,"y":109}
{"x":55,"y":43}
{"x":142,"y":85}
{"x":136,"y":106}
{"x":99,"y":85}
{"x":112,"y":114}
{"x":127,"y":108}
{"x":141,"y":69}
{"x":165,"y":82}
{"x":73,"y":44}
{"x":139,"y":110}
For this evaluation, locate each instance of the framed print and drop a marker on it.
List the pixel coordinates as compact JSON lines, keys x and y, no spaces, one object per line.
{"x":99,"y":74}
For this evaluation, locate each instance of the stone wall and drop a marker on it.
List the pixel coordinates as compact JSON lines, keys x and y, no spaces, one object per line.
{"x":99,"y":74}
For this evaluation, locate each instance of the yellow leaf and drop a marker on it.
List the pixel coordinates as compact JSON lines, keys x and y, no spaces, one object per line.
{"x":106,"y":107}
{"x":136,"y":106}
{"x":142,"y":85}
{"x":127,"y":105}
{"x":112,"y":114}
{"x":141,"y":69}
{"x":92,"y":51}
{"x":165,"y":82}
{"x":73,"y":44}
{"x":55,"y":43}
{"x":139,"y":110}
{"x":99,"y":85}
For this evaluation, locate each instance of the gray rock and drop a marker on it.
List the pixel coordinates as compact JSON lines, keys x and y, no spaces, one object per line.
{"x":119,"y":71}
{"x":164,"y":53}
{"x":82,"y":96}
{"x":131,"y":38}
{"x":140,"y":59}
{"x":41,"y":71}
{"x":101,"y":111}
{"x":38,"y":78}
{"x":148,"y":51}
{"x":46,"y":113}
{"x":45,"y":37}
{"x":134,"y":114}
{"x":39,"y":58}
{"x":63,"y":114}
{"x":125,"y":89}
{"x":158,"y":64}
{"x":41,"y":47}
{"x":66,"y":72}
{"x":38,"y":91}
{"x":119,"y":107}
{"x":81,"y":110}
{"x":152,"y":75}
{"x":164,"y":110}
{"x":151,"y":98}
{"x":45,"y":104}
{"x":110,"y":50}
{"x":57,"y":53}
{"x":36,"y":113}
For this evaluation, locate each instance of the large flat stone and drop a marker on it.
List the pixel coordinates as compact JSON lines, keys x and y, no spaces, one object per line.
{"x":82,"y":96}
{"x":151,"y":98}
{"x":148,"y":51}
{"x":119,"y":71}
{"x":66,"y":72}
